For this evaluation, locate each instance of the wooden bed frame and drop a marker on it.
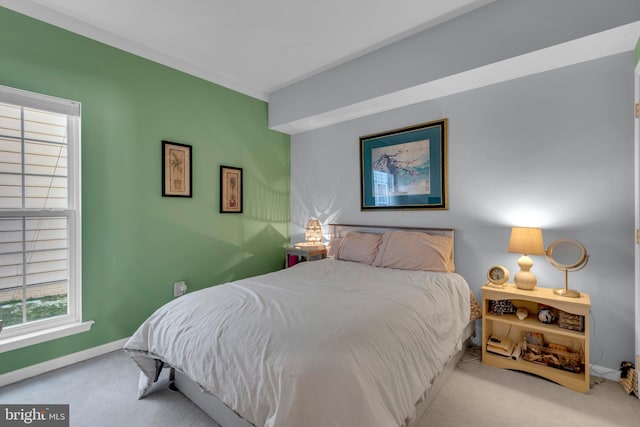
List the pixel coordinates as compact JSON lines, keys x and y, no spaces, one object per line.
{"x":226,"y":417}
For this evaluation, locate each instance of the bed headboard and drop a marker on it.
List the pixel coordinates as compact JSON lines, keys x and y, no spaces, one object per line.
{"x":339,"y":230}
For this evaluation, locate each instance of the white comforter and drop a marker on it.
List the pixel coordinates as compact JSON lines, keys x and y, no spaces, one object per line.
{"x":325,"y":343}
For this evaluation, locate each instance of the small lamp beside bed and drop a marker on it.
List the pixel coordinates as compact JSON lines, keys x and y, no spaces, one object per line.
{"x":526,"y":241}
{"x":312,"y":235}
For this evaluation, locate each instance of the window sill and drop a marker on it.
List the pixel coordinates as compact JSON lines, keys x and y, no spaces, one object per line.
{"x":24,"y":340}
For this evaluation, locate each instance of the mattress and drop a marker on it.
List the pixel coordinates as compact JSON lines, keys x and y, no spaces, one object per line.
{"x":326,"y":343}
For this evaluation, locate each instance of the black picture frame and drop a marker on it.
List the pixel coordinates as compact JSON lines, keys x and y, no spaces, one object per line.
{"x":231,"y":183}
{"x":176,"y":169}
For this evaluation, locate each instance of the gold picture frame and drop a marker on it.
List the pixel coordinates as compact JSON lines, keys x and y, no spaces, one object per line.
{"x":230,"y":189}
{"x":176,"y":169}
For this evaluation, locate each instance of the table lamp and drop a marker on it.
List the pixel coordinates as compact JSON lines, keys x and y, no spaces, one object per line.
{"x":526,"y":241}
{"x":312,"y":235}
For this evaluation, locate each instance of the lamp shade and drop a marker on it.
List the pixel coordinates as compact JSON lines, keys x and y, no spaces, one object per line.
{"x":314,"y":232}
{"x":526,"y":240}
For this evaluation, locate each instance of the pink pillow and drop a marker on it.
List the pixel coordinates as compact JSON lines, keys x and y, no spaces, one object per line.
{"x":407,"y":250}
{"x":359,"y":247}
{"x":333,"y":246}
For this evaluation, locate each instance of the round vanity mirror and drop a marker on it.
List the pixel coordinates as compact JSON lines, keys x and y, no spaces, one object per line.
{"x":567,"y":255}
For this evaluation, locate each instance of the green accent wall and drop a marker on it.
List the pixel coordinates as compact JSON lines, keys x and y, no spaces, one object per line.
{"x":136,"y":243}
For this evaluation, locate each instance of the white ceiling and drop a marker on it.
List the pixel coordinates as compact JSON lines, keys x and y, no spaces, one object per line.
{"x":251,"y":46}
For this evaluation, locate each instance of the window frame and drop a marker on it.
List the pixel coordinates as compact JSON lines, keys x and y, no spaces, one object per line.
{"x":32,"y":332}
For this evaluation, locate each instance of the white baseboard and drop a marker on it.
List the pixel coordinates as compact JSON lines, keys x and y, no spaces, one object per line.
{"x":606,"y":373}
{"x":50,"y":365}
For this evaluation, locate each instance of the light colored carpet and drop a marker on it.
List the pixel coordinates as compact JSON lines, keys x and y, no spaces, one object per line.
{"x":102,"y":393}
{"x":483,"y":396}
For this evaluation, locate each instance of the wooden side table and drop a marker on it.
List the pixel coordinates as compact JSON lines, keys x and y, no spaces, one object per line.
{"x":510,"y":326}
{"x":304,"y":254}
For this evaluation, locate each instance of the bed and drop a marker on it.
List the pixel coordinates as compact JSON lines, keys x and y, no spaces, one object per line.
{"x":365,"y":337}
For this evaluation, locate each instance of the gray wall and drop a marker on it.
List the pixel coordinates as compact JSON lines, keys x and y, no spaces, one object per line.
{"x":553,"y":150}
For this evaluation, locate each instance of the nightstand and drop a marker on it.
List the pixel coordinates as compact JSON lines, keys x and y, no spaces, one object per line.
{"x":303,"y":254}
{"x":546,"y":362}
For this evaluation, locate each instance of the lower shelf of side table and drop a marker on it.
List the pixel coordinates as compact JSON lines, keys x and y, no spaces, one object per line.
{"x":573,"y":381}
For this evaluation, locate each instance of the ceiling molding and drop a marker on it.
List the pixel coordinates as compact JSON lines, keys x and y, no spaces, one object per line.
{"x":76,"y":26}
{"x":289,"y":39}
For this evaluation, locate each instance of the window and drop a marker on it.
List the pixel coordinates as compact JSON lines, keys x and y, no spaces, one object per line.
{"x":382,"y":183}
{"x":40,"y":281}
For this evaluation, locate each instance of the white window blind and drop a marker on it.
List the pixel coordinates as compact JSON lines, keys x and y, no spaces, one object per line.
{"x":39,"y":211}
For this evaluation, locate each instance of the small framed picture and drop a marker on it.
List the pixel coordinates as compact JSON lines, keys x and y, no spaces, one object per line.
{"x":176,"y":169}
{"x":230,"y":189}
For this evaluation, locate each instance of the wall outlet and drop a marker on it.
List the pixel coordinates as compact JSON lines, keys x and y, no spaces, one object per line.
{"x":179,"y":288}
